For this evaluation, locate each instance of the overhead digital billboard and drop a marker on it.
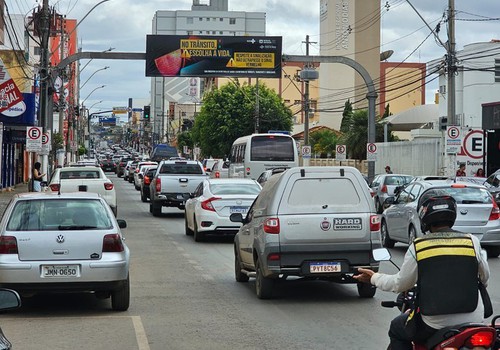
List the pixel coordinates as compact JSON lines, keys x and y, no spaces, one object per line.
{"x":213,"y":56}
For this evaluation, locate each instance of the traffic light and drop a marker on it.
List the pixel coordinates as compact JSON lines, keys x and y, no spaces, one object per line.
{"x":443,"y":123}
{"x":147,"y":112}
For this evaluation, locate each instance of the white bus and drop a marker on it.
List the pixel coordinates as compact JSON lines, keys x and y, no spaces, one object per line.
{"x":253,"y":154}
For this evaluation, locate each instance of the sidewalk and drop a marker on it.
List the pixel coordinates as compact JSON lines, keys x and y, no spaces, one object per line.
{"x":6,"y":195}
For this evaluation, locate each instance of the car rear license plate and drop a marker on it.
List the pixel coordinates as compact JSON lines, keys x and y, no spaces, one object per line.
{"x":60,"y":271}
{"x":242,"y":210}
{"x":325,"y":267}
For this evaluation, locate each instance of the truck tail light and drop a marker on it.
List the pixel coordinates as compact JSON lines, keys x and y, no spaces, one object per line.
{"x":495,"y":211}
{"x":217,"y":175}
{"x":108,"y":186}
{"x":147,"y":180}
{"x":374,"y":223}
{"x":272,"y":225}
{"x":207,"y":204}
{"x":55,"y":187}
{"x":112,"y":243}
{"x":158,"y":184}
{"x":8,"y":245}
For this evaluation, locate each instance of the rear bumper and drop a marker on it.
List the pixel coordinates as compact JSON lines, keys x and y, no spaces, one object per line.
{"x":65,"y":287}
{"x":171,"y":199}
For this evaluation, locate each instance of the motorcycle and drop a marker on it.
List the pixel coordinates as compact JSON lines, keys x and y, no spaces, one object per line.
{"x":467,"y":336}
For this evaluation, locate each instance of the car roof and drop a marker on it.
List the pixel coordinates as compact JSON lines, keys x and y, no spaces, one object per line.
{"x":231,"y":181}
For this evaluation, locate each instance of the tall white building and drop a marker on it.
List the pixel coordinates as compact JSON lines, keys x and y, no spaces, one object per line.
{"x":205,"y":18}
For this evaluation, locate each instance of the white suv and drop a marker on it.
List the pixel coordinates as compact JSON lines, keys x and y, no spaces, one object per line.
{"x":313,"y":222}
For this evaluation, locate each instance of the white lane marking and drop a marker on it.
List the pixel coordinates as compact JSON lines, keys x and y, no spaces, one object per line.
{"x":140,"y":333}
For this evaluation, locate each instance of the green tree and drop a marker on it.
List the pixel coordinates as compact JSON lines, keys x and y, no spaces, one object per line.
{"x":346,"y":117}
{"x":229,"y":112}
{"x":355,"y":135}
{"x":323,"y":142}
{"x":185,"y":138}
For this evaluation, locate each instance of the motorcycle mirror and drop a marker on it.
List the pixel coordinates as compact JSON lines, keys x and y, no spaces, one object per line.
{"x":381,"y":254}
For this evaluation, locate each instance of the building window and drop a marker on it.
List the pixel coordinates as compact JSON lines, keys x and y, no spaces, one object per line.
{"x":189,"y":20}
{"x":214,"y":32}
{"x":201,"y":19}
{"x":313,"y":105}
{"x":200,"y":32}
{"x":221,"y":32}
{"x":497,"y":70}
{"x":232,"y":20}
{"x":221,"y":19}
{"x":189,"y":32}
{"x":37,"y":50}
{"x":297,"y":102}
{"x":286,"y":101}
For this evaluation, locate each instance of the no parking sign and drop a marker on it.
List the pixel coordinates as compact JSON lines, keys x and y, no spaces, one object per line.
{"x":371,"y":152}
{"x":33,"y":139}
{"x":340,"y":152}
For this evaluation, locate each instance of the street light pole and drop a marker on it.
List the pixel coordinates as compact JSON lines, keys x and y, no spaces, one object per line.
{"x":86,"y":81}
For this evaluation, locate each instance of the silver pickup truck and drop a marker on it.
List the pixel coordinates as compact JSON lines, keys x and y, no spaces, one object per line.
{"x":173,"y":182}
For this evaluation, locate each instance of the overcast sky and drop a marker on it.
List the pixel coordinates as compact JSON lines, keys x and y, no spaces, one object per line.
{"x":124,"y":24}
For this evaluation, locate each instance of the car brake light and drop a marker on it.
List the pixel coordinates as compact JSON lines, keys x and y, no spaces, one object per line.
{"x":158,"y":184}
{"x":108,"y":185}
{"x":384,"y":189}
{"x":137,"y":170}
{"x":146,"y":181}
{"x":274,"y":257}
{"x":374,"y":223}
{"x":8,"y":245}
{"x":55,"y":187}
{"x":217,"y":175}
{"x":495,"y":212}
{"x":207,"y":204}
{"x":112,"y":243}
{"x":272,"y":225}
{"x":483,"y":339}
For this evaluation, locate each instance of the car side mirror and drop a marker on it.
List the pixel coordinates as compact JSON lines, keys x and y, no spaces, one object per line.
{"x":389,"y":201}
{"x":191,"y":195}
{"x":121,"y":223}
{"x":9,"y":299}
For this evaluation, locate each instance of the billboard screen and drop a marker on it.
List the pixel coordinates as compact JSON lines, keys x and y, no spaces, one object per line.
{"x":213,"y":56}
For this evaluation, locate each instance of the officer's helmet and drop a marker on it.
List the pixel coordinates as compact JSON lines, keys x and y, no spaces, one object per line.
{"x":436,"y":208}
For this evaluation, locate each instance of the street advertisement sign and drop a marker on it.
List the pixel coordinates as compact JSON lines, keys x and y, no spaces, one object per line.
{"x":9,"y":92}
{"x":33,"y":139}
{"x":213,"y":56}
{"x":1,"y":151}
{"x":340,"y":152}
{"x":22,"y":113}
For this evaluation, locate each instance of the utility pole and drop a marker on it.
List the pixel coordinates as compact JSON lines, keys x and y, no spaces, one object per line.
{"x":257,"y":107}
{"x":43,"y":117}
{"x":451,"y":60}
{"x":306,"y":75}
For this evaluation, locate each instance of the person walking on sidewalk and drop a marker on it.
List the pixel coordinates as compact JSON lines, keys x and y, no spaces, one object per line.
{"x":37,"y":177}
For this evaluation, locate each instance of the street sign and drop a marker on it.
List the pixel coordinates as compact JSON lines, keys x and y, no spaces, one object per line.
{"x":306,"y":151}
{"x":33,"y":139}
{"x":196,"y":151}
{"x":371,"y":152}
{"x":340,"y":152}
{"x":453,"y":139}
{"x":46,"y":144}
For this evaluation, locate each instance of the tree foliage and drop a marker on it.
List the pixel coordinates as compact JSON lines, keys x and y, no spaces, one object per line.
{"x":323,"y":142}
{"x":229,"y":112}
{"x":185,"y":138}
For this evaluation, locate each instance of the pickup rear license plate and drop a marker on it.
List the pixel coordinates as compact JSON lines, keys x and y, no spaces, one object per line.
{"x":242,"y":210}
{"x":51,"y":271}
{"x":325,"y":267}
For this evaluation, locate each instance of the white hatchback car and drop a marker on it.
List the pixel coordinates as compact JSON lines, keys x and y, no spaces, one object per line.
{"x":69,"y":242}
{"x":84,"y":179}
{"x":214,"y":200}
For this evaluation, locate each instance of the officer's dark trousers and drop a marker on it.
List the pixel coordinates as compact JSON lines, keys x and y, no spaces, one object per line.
{"x":401,"y":339}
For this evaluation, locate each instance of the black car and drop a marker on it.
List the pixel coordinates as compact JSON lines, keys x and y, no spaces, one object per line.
{"x":108,"y":165}
{"x":146,"y":181}
{"x":120,"y":167}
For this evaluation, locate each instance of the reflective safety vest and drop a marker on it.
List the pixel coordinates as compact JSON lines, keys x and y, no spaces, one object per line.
{"x":447,"y":280}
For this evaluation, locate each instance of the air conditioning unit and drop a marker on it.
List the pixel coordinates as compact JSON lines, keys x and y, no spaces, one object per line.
{"x":442,"y":89}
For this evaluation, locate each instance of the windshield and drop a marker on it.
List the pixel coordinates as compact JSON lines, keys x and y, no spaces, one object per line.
{"x":59,"y":214}
{"x":234,"y":188}
{"x":272,"y":148}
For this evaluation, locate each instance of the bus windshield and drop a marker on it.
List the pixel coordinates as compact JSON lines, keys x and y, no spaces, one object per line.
{"x":272,"y":148}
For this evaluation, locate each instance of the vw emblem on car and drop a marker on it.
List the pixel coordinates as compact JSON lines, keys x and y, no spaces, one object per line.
{"x":325,"y":225}
{"x":463,"y":211}
{"x":239,"y":202}
{"x":60,"y":239}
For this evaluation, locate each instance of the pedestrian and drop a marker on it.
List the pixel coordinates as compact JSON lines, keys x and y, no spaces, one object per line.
{"x":479,"y":173}
{"x":37,"y":177}
{"x":388,"y":169}
{"x":461,"y":170}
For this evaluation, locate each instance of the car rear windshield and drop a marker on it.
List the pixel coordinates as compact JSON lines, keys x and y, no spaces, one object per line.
{"x":84,"y":174}
{"x":234,"y":188}
{"x":468,"y":195}
{"x":59,"y":214}
{"x":272,"y":148}
{"x":397,"y":180}
{"x":314,"y":192}
{"x":181,"y":168}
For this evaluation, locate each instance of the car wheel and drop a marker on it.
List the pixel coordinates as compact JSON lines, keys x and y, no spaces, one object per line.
{"x":493,"y":252}
{"x":412,"y":234}
{"x":155,"y":209}
{"x":189,"y":232}
{"x":130,"y":179}
{"x":125,"y":178}
{"x":150,"y":207}
{"x":263,"y":285}
{"x":378,"y":206}
{"x":144,"y":198}
{"x":120,"y":299}
{"x":366,"y":290}
{"x":138,"y":188}
{"x":198,"y":236}
{"x":384,"y":233}
{"x":240,"y":276}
